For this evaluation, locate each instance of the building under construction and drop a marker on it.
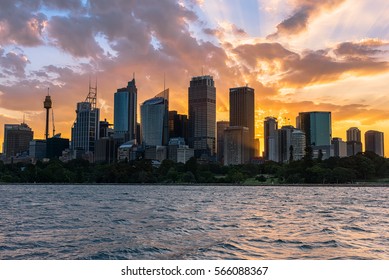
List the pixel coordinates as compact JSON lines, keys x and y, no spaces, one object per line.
{"x":85,"y":130}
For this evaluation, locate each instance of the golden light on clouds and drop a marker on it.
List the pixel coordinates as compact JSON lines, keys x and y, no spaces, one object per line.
{"x":330,"y":55}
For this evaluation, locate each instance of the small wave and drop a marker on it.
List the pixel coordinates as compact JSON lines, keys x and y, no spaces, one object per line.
{"x":306,"y":247}
{"x":355,"y":228}
{"x":328,"y":230}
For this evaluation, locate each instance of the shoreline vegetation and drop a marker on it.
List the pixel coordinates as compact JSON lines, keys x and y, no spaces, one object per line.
{"x":364,"y":169}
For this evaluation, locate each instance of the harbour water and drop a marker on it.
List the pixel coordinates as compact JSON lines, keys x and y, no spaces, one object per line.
{"x":193,"y":222}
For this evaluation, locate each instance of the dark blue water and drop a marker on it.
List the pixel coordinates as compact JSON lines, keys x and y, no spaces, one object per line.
{"x":193,"y":222}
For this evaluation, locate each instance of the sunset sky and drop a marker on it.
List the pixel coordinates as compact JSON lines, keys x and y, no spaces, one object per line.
{"x":298,"y":55}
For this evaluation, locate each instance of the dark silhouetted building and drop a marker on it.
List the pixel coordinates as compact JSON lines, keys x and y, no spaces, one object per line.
{"x":242,"y":112}
{"x":374,"y":142}
{"x":17,"y":139}
{"x":202,"y":116}
{"x":178,"y":126}
{"x":105,"y":129}
{"x":55,"y":146}
{"x":221,"y":127}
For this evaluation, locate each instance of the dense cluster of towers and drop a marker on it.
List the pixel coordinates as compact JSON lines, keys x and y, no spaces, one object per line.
{"x":165,"y":134}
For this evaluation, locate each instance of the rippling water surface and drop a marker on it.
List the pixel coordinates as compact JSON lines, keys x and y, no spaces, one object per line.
{"x":193,"y":222}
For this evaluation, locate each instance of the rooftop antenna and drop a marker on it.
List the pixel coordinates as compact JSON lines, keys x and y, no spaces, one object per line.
{"x":24,"y":118}
{"x":164,"y":81}
{"x":52,"y":119}
{"x":133,"y":75}
{"x":202,"y":70}
{"x":92,"y":95}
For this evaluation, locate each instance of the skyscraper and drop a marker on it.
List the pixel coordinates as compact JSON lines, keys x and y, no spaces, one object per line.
{"x":202,"y":116}
{"x":353,"y":134}
{"x":17,"y":139}
{"x":271,"y":139}
{"x":374,"y":142}
{"x":242,"y":103}
{"x":154,"y":120}
{"x":317,"y":128}
{"x":125,"y":112}
{"x":354,"y":144}
{"x":85,"y":129}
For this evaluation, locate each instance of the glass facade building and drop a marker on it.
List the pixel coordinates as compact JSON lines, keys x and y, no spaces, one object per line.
{"x":317,"y":127}
{"x":125,"y":112}
{"x":154,"y":122}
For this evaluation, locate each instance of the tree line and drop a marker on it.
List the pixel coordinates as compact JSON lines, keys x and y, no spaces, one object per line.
{"x":361,"y":167}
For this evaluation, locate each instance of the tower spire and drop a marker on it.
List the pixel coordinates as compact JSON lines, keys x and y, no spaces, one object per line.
{"x":47,"y":105}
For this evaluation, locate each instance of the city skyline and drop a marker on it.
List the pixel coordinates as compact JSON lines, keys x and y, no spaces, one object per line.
{"x":298,"y":56}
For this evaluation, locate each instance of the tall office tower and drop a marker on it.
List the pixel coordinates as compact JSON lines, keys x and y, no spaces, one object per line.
{"x":178,"y":126}
{"x":236,"y":150}
{"x":271,"y":139}
{"x":125,"y":112}
{"x":354,"y":144}
{"x":202,"y":116}
{"x":17,"y":139}
{"x":154,"y":120}
{"x":317,"y":128}
{"x":242,"y":108}
{"x":298,"y":144}
{"x":284,"y":142}
{"x":374,"y":142}
{"x":221,"y":127}
{"x":353,"y":134}
{"x":85,"y":129}
{"x":340,"y":147}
